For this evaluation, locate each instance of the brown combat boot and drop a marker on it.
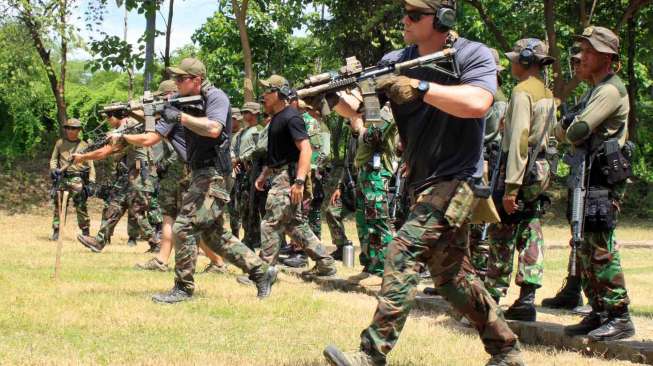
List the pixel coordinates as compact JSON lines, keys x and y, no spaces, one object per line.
{"x":91,"y":243}
{"x":153,"y":265}
{"x":511,"y":357}
{"x":336,"y":357}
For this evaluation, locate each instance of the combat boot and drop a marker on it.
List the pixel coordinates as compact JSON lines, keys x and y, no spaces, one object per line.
{"x":153,"y":265}
{"x":524,"y":307}
{"x":264,"y":281}
{"x":588,"y":324}
{"x":511,"y":357}
{"x":582,"y":310}
{"x":215,"y":268}
{"x":91,"y":243}
{"x":86,"y":232}
{"x":337,"y":254}
{"x":132,"y":242}
{"x":155,"y":247}
{"x":55,"y":234}
{"x":177,"y":294}
{"x":336,"y":357}
{"x":296,"y":261}
{"x":356,"y":279}
{"x":617,"y":326}
{"x":568,"y":297}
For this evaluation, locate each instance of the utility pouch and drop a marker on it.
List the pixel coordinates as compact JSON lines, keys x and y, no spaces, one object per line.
{"x":614,"y":165}
{"x":223,"y":157}
{"x":460,"y":207}
{"x":601,"y":214}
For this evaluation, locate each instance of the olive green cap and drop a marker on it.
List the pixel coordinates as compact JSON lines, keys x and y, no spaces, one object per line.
{"x":431,"y":4}
{"x":602,"y":39}
{"x":188,"y":66}
{"x":73,"y":122}
{"x":251,"y":107}
{"x":274,"y":81}
{"x":167,"y":86}
{"x":540,"y":49}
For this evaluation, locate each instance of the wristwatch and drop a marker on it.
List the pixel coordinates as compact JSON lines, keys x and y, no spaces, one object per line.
{"x":300,"y":182}
{"x":421,"y":85}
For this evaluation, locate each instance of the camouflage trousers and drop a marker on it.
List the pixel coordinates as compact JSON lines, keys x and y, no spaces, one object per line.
{"x":201,"y":217}
{"x":315,"y":207}
{"x":248,"y":209}
{"x":435,"y":234}
{"x":479,"y":249}
{"x":283,"y":217}
{"x":335,"y":214}
{"x":75,"y":186}
{"x":126,"y":199}
{"x":154,"y":217}
{"x":373,"y":222}
{"x":232,"y":209}
{"x":526,"y":238}
{"x":602,"y":277}
{"x":172,"y":185}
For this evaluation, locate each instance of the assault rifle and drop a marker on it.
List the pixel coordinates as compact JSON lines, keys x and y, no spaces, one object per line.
{"x":578,"y":188}
{"x":354,"y":75}
{"x":150,"y":106}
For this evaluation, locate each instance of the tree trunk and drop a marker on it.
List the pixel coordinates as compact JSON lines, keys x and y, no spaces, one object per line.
{"x":166,"y":56}
{"x":130,"y":72}
{"x":582,"y":12}
{"x":61,"y":86}
{"x":554,"y":51}
{"x":150,"y":31}
{"x":632,"y":79}
{"x":241,"y":17}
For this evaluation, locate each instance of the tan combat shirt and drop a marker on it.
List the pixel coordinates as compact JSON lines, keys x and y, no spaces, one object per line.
{"x":62,"y":155}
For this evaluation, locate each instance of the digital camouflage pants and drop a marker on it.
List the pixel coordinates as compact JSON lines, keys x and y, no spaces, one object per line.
{"x":201,"y":217}
{"x":435,"y":234}
{"x":479,"y":249}
{"x":75,"y":186}
{"x":126,"y":199}
{"x":335,"y":213}
{"x":602,"y":277}
{"x":526,"y":238}
{"x":373,"y":222}
{"x":283,"y":217}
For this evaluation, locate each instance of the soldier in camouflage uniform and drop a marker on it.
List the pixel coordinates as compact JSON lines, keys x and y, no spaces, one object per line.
{"x":524,"y":177}
{"x":288,"y":164}
{"x":132,"y":186}
{"x":155,"y":215}
{"x":430,"y":109}
{"x":600,"y":124}
{"x":78,"y":179}
{"x":236,"y":179}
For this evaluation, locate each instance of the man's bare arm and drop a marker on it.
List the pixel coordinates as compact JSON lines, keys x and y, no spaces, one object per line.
{"x":201,"y":125}
{"x":304,"y":163}
{"x":98,"y":154}
{"x":463,"y":101}
{"x":143,"y":139}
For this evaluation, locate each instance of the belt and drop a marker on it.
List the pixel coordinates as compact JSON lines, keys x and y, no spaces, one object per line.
{"x":208,"y":163}
{"x":279,"y":169}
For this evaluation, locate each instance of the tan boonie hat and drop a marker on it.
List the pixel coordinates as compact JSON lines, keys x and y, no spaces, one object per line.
{"x":602,"y":39}
{"x":274,"y":81}
{"x":188,"y":66}
{"x":167,"y":86}
{"x":251,"y":107}
{"x":430,"y":4}
{"x":497,"y":61}
{"x":540,"y":49}
{"x":235,"y":113}
{"x":303,"y":105}
{"x":73,"y":122}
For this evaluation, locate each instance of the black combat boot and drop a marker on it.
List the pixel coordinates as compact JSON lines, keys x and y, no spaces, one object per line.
{"x":524,"y":307}
{"x":155,"y":247}
{"x":177,"y":294}
{"x":337,"y":254}
{"x":296,"y":260}
{"x":55,"y":234}
{"x":131,"y":242}
{"x":617,"y":326}
{"x":264,"y":280}
{"x":588,"y":324}
{"x":86,"y":232}
{"x":568,"y":297}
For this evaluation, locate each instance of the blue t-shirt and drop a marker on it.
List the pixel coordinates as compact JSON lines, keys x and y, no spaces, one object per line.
{"x":439,"y":145}
{"x":174,"y":133}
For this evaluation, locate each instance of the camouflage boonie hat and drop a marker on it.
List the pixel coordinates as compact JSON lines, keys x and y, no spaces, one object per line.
{"x":275,"y":81}
{"x":235,"y":113}
{"x":73,"y":123}
{"x":167,"y":86}
{"x":304,"y":105}
{"x":497,"y":60}
{"x":431,"y":4}
{"x":188,"y":66}
{"x":540,"y":49}
{"x":251,"y":107}
{"x":602,"y":39}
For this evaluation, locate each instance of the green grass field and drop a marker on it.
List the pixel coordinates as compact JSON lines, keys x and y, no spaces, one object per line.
{"x":100,"y":312}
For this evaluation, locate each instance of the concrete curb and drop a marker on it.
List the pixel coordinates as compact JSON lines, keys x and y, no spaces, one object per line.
{"x":535,"y":333}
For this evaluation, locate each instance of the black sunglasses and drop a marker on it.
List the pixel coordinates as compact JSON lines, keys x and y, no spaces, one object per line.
{"x":415,"y":15}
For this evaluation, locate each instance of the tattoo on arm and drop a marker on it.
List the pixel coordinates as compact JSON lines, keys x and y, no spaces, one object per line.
{"x":201,"y":125}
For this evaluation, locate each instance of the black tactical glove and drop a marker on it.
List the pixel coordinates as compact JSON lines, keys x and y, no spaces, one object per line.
{"x":55,"y":174}
{"x":90,"y":189}
{"x":171,"y":114}
{"x":398,"y":89}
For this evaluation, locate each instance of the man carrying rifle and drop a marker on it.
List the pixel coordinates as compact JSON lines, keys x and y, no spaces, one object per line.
{"x":78,"y":179}
{"x":132,"y":185}
{"x":598,"y":134}
{"x":441,"y":122}
{"x":523,"y":178}
{"x":235,"y":184}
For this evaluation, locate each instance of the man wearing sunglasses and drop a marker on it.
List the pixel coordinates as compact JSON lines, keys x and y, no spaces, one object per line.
{"x":441,"y":124}
{"x":207,"y":133}
{"x":73,"y":178}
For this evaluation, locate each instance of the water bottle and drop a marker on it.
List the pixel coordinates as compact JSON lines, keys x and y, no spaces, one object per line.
{"x":348,"y":255}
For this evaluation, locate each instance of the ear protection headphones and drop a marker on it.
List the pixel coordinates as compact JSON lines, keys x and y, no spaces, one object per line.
{"x":444,"y":19}
{"x":527,"y":55}
{"x":284,"y":91}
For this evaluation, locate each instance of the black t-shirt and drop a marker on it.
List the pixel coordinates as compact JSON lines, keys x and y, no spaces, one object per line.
{"x":439,"y":145}
{"x":285,"y":128}
{"x":216,"y":107}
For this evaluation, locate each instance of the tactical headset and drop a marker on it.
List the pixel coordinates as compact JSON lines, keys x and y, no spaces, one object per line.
{"x":444,"y":19}
{"x":527,"y":55}
{"x":284,"y":91}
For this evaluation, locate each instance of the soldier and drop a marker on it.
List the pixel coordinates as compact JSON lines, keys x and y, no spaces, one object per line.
{"x":78,"y":179}
{"x":440,"y":120}
{"x":132,"y":186}
{"x":236,"y":179}
{"x":207,"y":134}
{"x":250,"y":197}
{"x":288,"y":163}
{"x":601,"y":128}
{"x":524,"y":176}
